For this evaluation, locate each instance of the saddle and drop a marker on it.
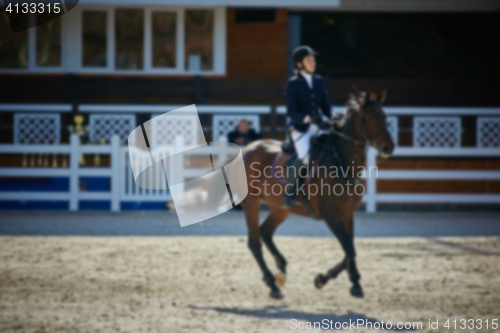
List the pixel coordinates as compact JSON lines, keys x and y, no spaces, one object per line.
{"x":287,"y":147}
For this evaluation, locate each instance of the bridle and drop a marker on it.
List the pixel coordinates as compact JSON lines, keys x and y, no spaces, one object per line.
{"x":371,"y":137}
{"x":364,"y":128}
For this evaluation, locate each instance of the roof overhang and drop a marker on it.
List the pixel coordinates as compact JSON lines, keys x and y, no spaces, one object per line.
{"x":311,"y":4}
{"x":327,"y":5}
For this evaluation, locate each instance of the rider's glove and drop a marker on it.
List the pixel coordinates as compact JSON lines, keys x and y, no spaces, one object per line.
{"x":317,"y":120}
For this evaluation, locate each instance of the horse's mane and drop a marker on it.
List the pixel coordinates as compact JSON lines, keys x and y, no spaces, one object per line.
{"x":340,"y":119}
{"x":343,"y":122}
{"x":353,"y":103}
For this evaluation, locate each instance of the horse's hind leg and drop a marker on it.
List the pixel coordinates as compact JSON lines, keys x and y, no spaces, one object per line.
{"x":276,"y":216}
{"x":322,"y":279}
{"x":251,"y":206}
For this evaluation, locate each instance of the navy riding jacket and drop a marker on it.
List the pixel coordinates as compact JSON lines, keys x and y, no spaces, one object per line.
{"x":302,"y":101}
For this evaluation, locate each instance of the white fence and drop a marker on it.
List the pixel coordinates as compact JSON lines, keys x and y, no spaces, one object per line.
{"x":371,"y":197}
{"x":123,"y":187}
{"x":74,"y":172}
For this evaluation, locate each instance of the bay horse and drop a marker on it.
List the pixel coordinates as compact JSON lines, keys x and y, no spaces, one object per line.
{"x":363,"y":124}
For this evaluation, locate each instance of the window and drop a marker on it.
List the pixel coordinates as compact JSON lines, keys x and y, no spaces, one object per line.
{"x":94,"y":39}
{"x":129,"y":38}
{"x":48,"y":43}
{"x":119,"y":39}
{"x":13,"y":47}
{"x":199,"y":40}
{"x":164,"y":39}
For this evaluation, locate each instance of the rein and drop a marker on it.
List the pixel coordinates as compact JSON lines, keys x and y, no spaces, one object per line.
{"x":342,"y":135}
{"x":369,"y":139}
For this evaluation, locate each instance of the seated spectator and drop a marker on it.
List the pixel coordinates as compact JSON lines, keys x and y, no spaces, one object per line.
{"x":243,"y":134}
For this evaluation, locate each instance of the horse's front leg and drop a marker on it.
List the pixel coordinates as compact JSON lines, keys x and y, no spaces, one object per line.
{"x":344,"y":234}
{"x":276,"y":216}
{"x":251,"y":207}
{"x":351,"y":266}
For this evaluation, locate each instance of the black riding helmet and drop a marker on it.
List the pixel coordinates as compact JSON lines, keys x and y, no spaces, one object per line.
{"x":300,"y":53}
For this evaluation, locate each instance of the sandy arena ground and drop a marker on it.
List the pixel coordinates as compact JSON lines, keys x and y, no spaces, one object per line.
{"x":212,"y":284}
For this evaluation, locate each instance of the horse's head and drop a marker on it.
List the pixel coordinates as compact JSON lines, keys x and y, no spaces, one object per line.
{"x":371,"y":124}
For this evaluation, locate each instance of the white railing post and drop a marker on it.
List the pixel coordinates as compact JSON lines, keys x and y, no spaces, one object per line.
{"x":179,"y":163}
{"x":115,"y":173}
{"x":223,"y":151}
{"x":74,"y":179}
{"x":371,"y":181}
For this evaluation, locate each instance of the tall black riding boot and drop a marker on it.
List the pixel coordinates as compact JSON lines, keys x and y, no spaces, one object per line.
{"x":290,"y":200}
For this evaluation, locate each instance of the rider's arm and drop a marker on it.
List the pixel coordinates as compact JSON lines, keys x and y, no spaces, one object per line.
{"x":324,"y":104}
{"x":292,"y":104}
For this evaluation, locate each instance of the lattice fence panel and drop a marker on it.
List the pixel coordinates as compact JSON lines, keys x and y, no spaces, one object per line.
{"x":488,"y":132}
{"x":223,"y":124}
{"x":166,"y":129}
{"x":37,"y":128}
{"x":392,"y":127}
{"x":436,"y":132}
{"x":105,"y":126}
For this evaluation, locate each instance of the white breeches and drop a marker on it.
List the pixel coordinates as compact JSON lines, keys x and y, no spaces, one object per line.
{"x":302,"y":141}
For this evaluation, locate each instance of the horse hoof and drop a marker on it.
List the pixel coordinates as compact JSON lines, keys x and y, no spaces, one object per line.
{"x":276,"y":294}
{"x":357,"y":291}
{"x":280,"y":279}
{"x":319,"y":281}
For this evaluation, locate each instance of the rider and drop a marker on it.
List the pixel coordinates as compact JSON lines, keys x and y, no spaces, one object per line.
{"x":305,"y":93}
